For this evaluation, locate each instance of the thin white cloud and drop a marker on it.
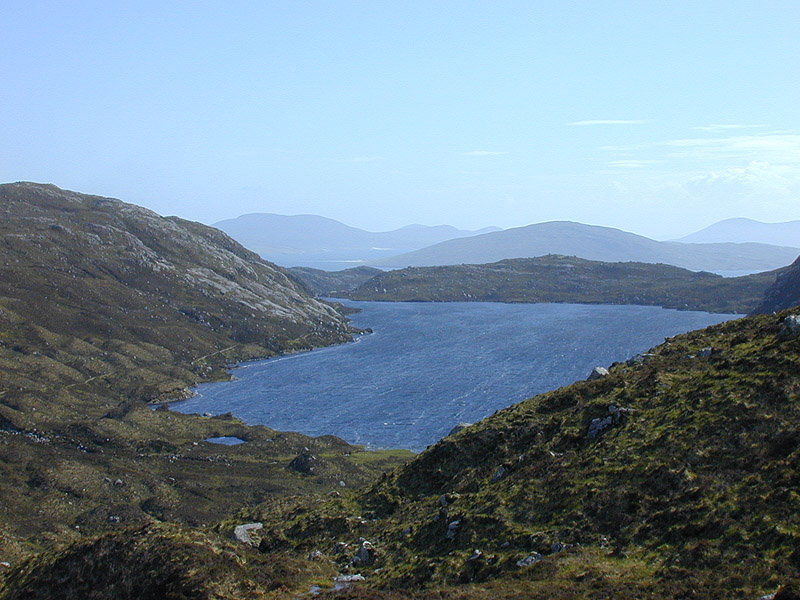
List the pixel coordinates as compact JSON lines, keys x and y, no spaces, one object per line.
{"x":758,"y":174}
{"x":607,"y":122}
{"x":742,"y":170}
{"x":483,"y":153}
{"x":776,"y":148}
{"x":726,"y":127}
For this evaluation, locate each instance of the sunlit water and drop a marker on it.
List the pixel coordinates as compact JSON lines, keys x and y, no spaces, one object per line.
{"x":429,"y":366}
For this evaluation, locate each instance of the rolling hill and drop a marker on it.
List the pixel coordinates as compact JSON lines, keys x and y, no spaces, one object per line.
{"x":555,"y":278}
{"x":741,"y":230}
{"x":594,"y":243}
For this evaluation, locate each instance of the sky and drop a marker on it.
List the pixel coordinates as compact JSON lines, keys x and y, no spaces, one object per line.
{"x":654,"y":117}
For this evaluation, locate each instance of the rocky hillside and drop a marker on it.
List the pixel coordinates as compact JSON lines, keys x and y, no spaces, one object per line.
{"x":105,"y":307}
{"x":673,"y":475}
{"x":556,"y":278}
{"x":784,"y":293}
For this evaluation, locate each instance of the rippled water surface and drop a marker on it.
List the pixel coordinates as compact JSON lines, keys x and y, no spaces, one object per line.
{"x":429,"y":366}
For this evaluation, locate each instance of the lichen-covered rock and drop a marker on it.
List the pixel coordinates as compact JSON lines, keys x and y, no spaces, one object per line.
{"x":241,"y":532}
{"x":790,"y":327}
{"x":364,"y":555}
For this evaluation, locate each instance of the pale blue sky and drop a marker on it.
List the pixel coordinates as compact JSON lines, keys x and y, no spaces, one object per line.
{"x":655,"y":117}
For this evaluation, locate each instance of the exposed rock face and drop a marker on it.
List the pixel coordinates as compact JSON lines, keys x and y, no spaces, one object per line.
{"x":784,"y":293}
{"x":241,"y":532}
{"x":790,"y":328}
{"x":364,"y":555}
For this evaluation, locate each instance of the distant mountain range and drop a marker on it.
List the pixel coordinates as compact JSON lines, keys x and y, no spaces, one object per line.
{"x":314,"y":241}
{"x":594,"y":243}
{"x":748,"y":230}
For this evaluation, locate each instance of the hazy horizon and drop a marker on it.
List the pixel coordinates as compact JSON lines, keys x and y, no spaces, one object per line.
{"x":655,"y":119}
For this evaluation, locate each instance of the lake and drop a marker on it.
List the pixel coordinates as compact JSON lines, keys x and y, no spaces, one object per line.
{"x":430,"y":366}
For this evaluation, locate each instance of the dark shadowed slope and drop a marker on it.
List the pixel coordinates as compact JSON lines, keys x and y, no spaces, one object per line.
{"x":594,"y":243}
{"x":331,"y":283}
{"x":784,"y":293}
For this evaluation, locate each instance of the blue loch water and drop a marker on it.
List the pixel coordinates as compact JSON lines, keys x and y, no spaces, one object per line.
{"x":429,"y":366}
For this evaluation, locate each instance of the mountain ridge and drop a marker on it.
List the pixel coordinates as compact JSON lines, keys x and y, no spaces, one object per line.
{"x":593,"y":242}
{"x":316,"y":241}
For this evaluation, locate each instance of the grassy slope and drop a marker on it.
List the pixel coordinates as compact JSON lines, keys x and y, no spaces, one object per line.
{"x":105,"y":306}
{"x":569,"y":279}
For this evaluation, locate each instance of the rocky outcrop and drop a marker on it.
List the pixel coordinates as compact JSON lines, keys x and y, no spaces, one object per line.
{"x":597,"y":373}
{"x":241,"y":533}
